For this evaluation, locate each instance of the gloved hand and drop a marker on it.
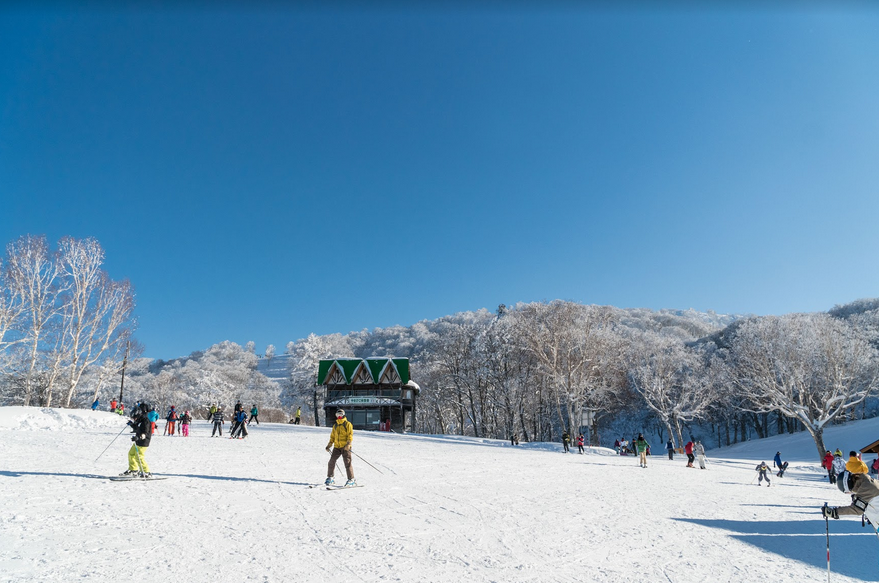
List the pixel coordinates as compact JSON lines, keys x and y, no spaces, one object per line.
{"x":133,"y":438}
{"x":830,"y":512}
{"x":347,"y":447}
{"x":329,"y":447}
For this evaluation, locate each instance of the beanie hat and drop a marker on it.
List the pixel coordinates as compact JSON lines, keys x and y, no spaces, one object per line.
{"x":340,"y":412}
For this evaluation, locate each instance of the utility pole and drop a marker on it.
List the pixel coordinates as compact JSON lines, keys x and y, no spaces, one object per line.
{"x":124,"y":362}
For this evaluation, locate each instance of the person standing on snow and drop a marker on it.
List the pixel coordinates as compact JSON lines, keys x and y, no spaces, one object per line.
{"x":298,"y":415}
{"x":184,"y":423}
{"x":341,"y":440}
{"x":670,"y":447}
{"x":777,"y":463}
{"x":699,"y":450}
{"x":688,"y":449}
{"x":566,"y":442}
{"x":827,"y":464}
{"x":254,"y":415}
{"x":763,"y":469}
{"x":580,"y":443}
{"x":240,"y":429}
{"x":95,"y":405}
{"x":855,"y":465}
{"x":140,"y":424}
{"x":218,"y":418}
{"x":838,"y":466}
{"x":863,"y":490}
{"x":641,"y":446}
{"x":171,"y":421}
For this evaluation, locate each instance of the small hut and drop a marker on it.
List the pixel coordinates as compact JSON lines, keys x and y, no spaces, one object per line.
{"x":376,"y":393}
{"x":872,"y":448}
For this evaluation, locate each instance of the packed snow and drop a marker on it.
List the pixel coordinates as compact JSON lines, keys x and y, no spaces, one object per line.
{"x":433,"y":508}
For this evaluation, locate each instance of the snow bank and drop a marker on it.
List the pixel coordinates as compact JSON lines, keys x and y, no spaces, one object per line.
{"x":34,"y":418}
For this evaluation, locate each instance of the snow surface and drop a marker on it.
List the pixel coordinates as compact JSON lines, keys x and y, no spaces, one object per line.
{"x":436,"y":508}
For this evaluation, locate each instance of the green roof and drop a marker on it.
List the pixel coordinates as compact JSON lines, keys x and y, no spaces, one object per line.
{"x":376,"y":368}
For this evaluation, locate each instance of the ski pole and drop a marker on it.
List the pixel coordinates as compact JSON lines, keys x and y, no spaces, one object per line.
{"x":827,"y":528}
{"x":111,"y":443}
{"x":754,"y":478}
{"x":367,"y":463}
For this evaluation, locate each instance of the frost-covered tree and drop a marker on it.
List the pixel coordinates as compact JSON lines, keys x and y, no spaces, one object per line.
{"x":810,"y":367}
{"x":270,"y":353}
{"x":305,"y":354}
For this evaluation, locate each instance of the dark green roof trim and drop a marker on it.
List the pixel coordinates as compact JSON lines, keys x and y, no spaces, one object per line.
{"x":375,"y":366}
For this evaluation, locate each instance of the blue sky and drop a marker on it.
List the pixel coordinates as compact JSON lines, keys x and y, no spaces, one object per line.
{"x":260,"y":174}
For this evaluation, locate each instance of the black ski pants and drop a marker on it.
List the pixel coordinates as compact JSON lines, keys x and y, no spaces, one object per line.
{"x":218,"y":426}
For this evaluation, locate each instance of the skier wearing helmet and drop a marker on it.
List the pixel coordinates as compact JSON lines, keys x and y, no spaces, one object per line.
{"x":140,"y":424}
{"x":863,"y":490}
{"x":341,"y":438}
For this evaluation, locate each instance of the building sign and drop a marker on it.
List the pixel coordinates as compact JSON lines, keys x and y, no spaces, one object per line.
{"x":346,"y":401}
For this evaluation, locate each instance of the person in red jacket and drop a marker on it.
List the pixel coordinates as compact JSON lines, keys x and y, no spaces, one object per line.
{"x":827,"y":464}
{"x":688,"y":449}
{"x":580,"y":442}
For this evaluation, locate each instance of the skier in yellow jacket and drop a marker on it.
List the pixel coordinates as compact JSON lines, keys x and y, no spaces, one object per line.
{"x":341,"y":438}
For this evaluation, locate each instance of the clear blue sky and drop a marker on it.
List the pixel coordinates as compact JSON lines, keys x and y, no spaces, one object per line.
{"x":260,"y":174}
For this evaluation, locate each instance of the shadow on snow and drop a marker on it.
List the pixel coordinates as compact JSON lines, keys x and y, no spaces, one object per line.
{"x":854,"y":550}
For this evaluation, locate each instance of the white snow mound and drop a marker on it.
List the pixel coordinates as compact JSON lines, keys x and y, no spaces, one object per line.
{"x":46,"y":419}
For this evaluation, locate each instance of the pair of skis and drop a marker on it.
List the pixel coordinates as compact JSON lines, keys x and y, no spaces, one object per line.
{"x":335,"y":487}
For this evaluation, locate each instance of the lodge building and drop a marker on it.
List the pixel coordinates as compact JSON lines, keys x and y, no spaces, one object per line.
{"x":376,"y":393}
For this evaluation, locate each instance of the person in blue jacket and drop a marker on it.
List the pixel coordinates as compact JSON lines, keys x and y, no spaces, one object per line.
{"x":240,"y":430}
{"x":95,"y":405}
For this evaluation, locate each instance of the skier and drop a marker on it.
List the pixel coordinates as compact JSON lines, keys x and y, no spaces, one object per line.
{"x":254,"y":414}
{"x":184,"y":423}
{"x":95,"y":405}
{"x":580,"y":443}
{"x":566,"y":442}
{"x":219,"y":418}
{"x":120,"y":409}
{"x":764,"y":474}
{"x":298,"y":414}
{"x":641,"y":446}
{"x":153,"y":416}
{"x":863,"y":490}
{"x":827,"y":464}
{"x":699,"y":449}
{"x":211,"y":412}
{"x":838,"y":466}
{"x":874,"y":468}
{"x":688,"y":449}
{"x":240,"y":429}
{"x":341,"y":440}
{"x":855,"y":465}
{"x":514,"y":439}
{"x":671,"y":449}
{"x":140,"y":424}
{"x":113,"y":406}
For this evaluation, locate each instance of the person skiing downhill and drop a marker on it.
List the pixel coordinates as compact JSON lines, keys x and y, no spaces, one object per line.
{"x":140,"y":425}
{"x":764,"y":474}
{"x":863,"y":490}
{"x":777,"y":463}
{"x":341,"y":440}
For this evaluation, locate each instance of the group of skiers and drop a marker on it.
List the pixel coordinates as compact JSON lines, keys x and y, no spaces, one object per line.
{"x":239,"y":420}
{"x":852,"y":477}
{"x":566,"y":442}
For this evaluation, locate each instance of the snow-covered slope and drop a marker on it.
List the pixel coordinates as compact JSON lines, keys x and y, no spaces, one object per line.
{"x":434,"y":508}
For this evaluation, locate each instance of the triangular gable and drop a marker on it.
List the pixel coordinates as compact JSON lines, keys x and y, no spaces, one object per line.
{"x":357,"y":371}
{"x":362,"y":375}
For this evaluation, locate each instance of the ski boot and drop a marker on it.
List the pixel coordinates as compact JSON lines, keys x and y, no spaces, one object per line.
{"x":329,"y":482}
{"x":127,"y":473}
{"x":351,"y":482}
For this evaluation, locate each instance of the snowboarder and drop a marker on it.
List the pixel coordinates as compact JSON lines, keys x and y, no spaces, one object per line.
{"x":671,"y":449}
{"x":566,"y":442}
{"x":140,"y":425}
{"x":580,"y":443}
{"x":863,"y":490}
{"x":298,"y":414}
{"x":699,"y":450}
{"x":855,"y":465}
{"x":688,"y":449}
{"x":763,"y":470}
{"x":777,"y":463}
{"x":641,"y":446}
{"x":341,"y":440}
{"x":254,"y":414}
{"x":184,"y":423}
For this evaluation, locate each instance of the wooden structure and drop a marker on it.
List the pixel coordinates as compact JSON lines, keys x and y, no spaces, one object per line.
{"x":376,"y":393}
{"x":872,"y":448}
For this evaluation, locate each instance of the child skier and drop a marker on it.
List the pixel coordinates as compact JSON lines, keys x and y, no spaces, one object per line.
{"x":764,"y":474}
{"x":699,"y":449}
{"x":580,"y":443}
{"x":140,"y":424}
{"x":184,"y":423}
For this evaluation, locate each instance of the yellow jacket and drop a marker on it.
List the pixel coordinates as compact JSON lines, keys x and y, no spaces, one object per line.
{"x":342,"y":434}
{"x":856,"y":466}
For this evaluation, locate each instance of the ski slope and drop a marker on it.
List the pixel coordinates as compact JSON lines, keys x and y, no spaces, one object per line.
{"x":434,"y":509}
